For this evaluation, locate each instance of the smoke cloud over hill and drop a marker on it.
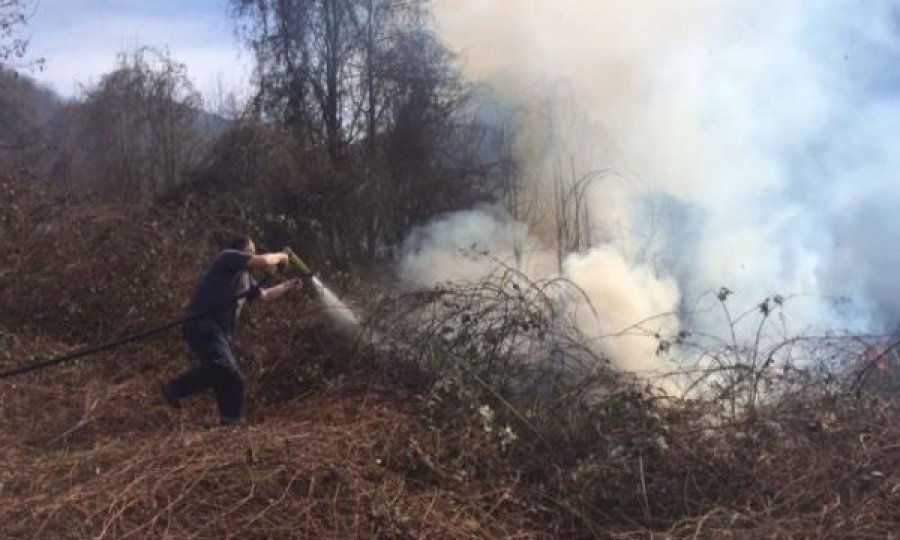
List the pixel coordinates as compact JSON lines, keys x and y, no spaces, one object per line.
{"x":746,"y":145}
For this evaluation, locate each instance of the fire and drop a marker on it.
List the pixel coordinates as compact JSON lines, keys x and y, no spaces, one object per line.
{"x":877,"y":355}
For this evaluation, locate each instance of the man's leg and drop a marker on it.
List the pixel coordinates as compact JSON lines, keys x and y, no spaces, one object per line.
{"x":192,"y":381}
{"x":207,"y":348}
{"x":228,"y":384}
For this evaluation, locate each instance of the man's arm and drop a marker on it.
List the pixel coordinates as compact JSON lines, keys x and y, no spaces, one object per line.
{"x":265,"y":260}
{"x":280,"y":290}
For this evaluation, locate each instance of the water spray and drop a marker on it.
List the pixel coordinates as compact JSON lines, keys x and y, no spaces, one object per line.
{"x":306,"y":275}
{"x":345,"y":321}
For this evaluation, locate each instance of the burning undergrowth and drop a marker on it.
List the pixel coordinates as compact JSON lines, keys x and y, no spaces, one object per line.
{"x":460,"y":411}
{"x":778,"y":435}
{"x":505,"y":332}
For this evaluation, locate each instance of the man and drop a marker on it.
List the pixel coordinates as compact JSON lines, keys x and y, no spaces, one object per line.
{"x":209,"y":334}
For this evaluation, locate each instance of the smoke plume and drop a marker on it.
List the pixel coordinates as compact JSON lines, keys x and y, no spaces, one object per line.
{"x":740,"y":144}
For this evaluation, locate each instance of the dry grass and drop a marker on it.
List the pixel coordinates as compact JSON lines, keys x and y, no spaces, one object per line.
{"x":400,"y":441}
{"x":304,"y":472}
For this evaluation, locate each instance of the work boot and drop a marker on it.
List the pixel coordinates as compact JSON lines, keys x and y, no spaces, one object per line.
{"x":231,"y":421}
{"x":169,"y":396}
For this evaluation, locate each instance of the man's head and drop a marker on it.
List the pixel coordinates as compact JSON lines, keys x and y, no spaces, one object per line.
{"x":243,"y":243}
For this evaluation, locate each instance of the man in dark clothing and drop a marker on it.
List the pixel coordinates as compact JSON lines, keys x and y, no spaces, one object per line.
{"x":209,"y":335}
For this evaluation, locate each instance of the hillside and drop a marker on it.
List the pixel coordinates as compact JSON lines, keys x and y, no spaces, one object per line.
{"x":344,"y":442}
{"x":89,"y":450}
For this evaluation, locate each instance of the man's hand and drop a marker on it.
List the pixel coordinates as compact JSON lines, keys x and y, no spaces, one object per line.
{"x":264,"y":260}
{"x":281,"y":289}
{"x":295,"y":284}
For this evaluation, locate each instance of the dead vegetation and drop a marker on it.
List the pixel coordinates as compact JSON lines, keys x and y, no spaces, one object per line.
{"x":475,"y":414}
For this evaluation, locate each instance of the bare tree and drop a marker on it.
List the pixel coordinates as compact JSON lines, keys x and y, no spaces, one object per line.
{"x":26,"y":110}
{"x":14,"y":15}
{"x":141,"y":124}
{"x":571,"y":212}
{"x":334,"y":69}
{"x":368,"y":86}
{"x":18,"y":123}
{"x":305,"y":64}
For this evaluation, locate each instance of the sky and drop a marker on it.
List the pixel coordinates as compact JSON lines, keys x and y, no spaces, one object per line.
{"x":79,"y":40}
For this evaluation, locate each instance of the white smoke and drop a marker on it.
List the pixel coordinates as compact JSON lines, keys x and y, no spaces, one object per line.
{"x":468,"y":246}
{"x":630,"y":303}
{"x":448,"y":249}
{"x":753,"y":144}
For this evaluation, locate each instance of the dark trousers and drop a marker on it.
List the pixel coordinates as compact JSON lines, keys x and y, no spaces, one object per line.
{"x":217,"y":369}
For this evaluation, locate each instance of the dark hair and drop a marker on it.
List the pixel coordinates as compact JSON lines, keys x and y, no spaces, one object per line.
{"x":239,"y":243}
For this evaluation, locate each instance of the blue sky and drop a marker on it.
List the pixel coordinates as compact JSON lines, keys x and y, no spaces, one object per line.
{"x":80,"y":38}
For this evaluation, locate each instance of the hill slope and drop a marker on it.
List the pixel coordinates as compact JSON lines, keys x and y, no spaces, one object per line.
{"x":343,"y":445}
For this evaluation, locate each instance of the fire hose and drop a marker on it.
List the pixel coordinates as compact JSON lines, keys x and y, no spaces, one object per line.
{"x":294,"y":261}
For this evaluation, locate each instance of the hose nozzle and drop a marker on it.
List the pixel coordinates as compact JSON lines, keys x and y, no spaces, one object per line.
{"x":297,"y":262}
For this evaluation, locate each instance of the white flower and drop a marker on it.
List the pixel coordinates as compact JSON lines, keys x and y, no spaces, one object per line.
{"x":486,"y":412}
{"x":487,"y":416}
{"x":507,"y":437}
